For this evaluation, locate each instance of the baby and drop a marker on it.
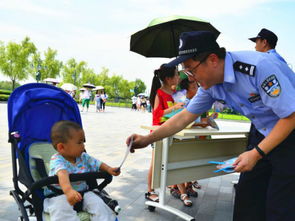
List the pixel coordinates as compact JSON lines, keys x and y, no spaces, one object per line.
{"x":68,"y":139}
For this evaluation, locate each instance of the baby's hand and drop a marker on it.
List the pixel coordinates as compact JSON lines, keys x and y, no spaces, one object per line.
{"x":115,"y":171}
{"x":73,"y":197}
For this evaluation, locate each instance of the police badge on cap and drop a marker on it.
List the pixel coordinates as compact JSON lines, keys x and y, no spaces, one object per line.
{"x":193,"y":43}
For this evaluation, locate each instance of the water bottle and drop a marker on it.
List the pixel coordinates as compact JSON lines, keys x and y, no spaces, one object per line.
{"x":113,"y":204}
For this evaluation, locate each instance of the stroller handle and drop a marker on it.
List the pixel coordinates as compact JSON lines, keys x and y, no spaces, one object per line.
{"x":89,"y":177}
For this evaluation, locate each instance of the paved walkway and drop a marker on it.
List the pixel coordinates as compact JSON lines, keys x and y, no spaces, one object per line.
{"x":105,"y":139}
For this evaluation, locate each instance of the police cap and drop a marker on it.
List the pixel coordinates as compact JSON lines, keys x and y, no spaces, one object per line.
{"x":268,"y":35}
{"x":193,"y":43}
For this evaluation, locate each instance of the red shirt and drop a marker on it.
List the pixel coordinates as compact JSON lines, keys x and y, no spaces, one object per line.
{"x":165,"y":101}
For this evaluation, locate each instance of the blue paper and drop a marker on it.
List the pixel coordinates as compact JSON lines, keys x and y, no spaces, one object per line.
{"x":225,"y":166}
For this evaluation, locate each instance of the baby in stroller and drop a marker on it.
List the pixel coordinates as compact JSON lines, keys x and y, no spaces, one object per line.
{"x":33,"y":109}
{"x":68,"y":139}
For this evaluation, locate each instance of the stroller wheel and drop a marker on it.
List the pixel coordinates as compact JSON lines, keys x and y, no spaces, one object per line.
{"x":151,"y":208}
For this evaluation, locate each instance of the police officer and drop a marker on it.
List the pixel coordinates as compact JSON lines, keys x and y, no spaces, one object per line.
{"x":254,"y":84}
{"x":265,"y":41}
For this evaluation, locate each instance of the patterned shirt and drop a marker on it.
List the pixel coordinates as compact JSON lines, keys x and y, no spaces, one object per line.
{"x":84,"y":163}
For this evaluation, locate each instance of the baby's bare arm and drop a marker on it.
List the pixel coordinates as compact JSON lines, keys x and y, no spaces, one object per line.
{"x":111,"y":170}
{"x":72,"y":195}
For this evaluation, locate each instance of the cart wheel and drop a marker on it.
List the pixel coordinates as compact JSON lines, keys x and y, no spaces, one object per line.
{"x":151,"y":208}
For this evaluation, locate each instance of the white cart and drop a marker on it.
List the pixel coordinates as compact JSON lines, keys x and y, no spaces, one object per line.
{"x":183,"y":157}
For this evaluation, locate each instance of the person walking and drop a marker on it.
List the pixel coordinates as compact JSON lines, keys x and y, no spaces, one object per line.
{"x":104,"y":98}
{"x":98,"y":101}
{"x":260,"y":87}
{"x":85,"y":96}
{"x":133,"y":100}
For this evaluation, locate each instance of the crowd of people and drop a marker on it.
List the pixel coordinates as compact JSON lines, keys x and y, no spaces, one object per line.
{"x":140,"y":103}
{"x":100,"y":99}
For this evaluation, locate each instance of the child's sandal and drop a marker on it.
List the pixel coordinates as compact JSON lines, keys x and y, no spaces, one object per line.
{"x":192,"y":192}
{"x":186,"y":201}
{"x":175,"y":192}
{"x":196,"y":185}
{"x":152,"y":196}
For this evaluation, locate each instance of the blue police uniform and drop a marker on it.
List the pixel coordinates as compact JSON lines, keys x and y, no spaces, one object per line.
{"x":254,"y":136}
{"x":276,"y":54}
{"x":261,"y":87}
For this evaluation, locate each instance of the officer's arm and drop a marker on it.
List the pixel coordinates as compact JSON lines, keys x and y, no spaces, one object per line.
{"x":279,"y":133}
{"x":169,"y":128}
{"x":173,"y":125}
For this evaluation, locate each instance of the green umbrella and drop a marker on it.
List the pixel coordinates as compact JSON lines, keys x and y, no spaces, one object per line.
{"x":161,"y":37}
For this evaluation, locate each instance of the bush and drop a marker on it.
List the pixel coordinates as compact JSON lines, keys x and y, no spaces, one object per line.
{"x":230,"y":111}
{"x":2,"y":91}
{"x":4,"y":97}
{"x":114,"y":104}
{"x":8,"y":85}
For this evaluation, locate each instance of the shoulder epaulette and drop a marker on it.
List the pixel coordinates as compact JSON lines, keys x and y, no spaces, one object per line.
{"x":245,"y":68}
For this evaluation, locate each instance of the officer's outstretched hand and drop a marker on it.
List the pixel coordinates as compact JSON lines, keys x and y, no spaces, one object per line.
{"x":139,"y":142}
{"x":246,"y":161}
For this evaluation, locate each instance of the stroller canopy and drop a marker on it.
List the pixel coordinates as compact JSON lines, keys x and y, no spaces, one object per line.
{"x":34,"y":108}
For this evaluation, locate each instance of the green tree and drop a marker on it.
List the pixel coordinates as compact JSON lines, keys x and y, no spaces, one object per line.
{"x":125,"y":89}
{"x":15,"y":59}
{"x":72,"y":71}
{"x":88,"y":76}
{"x":103,"y":77}
{"x":139,"y":87}
{"x":114,"y":86}
{"x":52,"y":65}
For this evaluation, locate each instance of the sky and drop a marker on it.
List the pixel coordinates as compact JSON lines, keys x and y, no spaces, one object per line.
{"x":98,"y":32}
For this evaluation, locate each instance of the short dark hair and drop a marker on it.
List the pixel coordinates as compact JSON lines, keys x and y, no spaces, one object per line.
{"x":271,"y":44}
{"x":220,"y":52}
{"x":60,"y":131}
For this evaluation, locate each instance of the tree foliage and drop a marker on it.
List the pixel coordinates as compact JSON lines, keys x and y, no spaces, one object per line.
{"x":15,"y":59}
{"x":49,"y":67}
{"x":18,"y":61}
{"x":139,"y":87}
{"x":72,"y":72}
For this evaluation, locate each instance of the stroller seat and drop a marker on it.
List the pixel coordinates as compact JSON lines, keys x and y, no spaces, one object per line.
{"x":39,"y":160}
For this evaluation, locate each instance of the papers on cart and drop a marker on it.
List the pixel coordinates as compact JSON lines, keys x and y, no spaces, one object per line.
{"x":225,"y":166}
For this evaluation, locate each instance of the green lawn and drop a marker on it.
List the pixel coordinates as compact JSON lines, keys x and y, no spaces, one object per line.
{"x":220,"y":115}
{"x":232,"y":117}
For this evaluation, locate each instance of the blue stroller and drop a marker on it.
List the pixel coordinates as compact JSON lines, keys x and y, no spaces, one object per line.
{"x":32,"y":111}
